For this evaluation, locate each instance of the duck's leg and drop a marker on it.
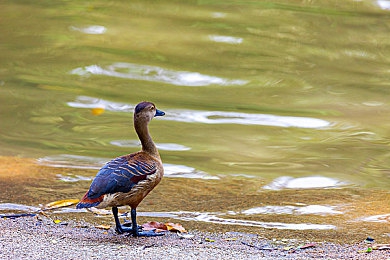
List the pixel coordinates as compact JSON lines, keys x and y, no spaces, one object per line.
{"x":118,"y":227}
{"x":136,"y":232}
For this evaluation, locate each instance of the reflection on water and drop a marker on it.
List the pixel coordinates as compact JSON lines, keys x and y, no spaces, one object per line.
{"x":160,"y":146}
{"x":86,"y":162}
{"x":17,"y":207}
{"x":73,"y":161}
{"x":208,"y":117}
{"x":384,"y":218}
{"x":225,"y":39}
{"x":185,"y":216}
{"x":93,"y":29}
{"x":384,"y":4}
{"x":72,"y":178}
{"x":213,"y":218}
{"x":311,"y":209}
{"x":155,"y":74}
{"x":90,"y":102}
{"x":172,"y":170}
{"x":266,"y":166}
{"x":218,"y":15}
{"x":219,"y":117}
{"x":312,"y":182}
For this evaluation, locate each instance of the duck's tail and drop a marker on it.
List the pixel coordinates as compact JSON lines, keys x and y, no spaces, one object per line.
{"x":87,"y":202}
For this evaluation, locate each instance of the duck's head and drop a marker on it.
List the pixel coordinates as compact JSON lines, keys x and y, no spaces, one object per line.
{"x":146,"y":110}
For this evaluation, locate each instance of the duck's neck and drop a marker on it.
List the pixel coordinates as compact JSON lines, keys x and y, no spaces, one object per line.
{"x":148,"y":145}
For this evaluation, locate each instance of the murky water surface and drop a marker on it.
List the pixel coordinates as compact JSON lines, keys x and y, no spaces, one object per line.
{"x":289,"y":95}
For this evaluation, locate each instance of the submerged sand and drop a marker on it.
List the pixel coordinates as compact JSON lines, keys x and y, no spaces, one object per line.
{"x":76,"y":236}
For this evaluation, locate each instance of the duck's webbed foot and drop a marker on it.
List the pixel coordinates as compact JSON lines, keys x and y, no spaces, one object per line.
{"x":138,"y":232}
{"x":119,"y":228}
{"x":128,"y":227}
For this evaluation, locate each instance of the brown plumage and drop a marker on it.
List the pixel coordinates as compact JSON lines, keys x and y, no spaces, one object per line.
{"x":128,"y":179}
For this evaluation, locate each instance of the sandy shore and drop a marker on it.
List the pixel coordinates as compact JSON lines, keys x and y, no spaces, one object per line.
{"x":39,"y":238}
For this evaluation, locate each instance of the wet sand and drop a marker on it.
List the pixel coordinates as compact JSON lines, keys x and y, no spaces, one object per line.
{"x":23,"y":181}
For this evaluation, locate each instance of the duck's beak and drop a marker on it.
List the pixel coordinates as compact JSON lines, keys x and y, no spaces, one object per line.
{"x":159,"y":113}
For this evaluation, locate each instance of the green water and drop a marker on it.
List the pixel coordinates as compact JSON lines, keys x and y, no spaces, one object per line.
{"x":229,"y":75}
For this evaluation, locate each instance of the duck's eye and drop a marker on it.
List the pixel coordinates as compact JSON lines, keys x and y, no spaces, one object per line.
{"x":152,"y":108}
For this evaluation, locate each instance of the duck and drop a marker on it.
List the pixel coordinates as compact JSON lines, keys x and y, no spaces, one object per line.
{"x":128,"y":179}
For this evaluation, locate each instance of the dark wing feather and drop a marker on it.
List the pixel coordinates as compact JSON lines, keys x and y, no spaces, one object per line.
{"x":120,"y":175}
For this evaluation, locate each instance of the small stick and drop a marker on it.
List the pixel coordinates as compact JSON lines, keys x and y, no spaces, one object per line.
{"x":254,"y":246}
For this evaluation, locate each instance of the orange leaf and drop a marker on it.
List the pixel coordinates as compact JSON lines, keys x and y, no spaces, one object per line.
{"x":60,"y":203}
{"x":97,"y":111}
{"x":175,"y":227}
{"x":152,"y":225}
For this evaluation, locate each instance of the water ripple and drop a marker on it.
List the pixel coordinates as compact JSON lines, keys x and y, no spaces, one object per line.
{"x":90,"y":102}
{"x":93,"y":29}
{"x":221,"y":117}
{"x":72,"y":161}
{"x":18,"y":207}
{"x":182,"y":171}
{"x":216,"y":218}
{"x":225,"y":39}
{"x":86,"y":162}
{"x":160,"y":146}
{"x":73,"y":178}
{"x":310,"y":209}
{"x":311,"y":182}
{"x":209,"y":117}
{"x":213,"y":218}
{"x":384,"y":4}
{"x":377,"y":218}
{"x":155,"y":74}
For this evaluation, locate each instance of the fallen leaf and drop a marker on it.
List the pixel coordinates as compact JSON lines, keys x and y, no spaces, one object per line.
{"x":288,"y":248}
{"x":60,"y":204}
{"x":209,"y":240}
{"x":97,"y":111}
{"x":159,"y":227}
{"x":57,"y":221}
{"x":105,"y":227}
{"x":175,"y":227}
{"x":307,"y":246}
{"x":153,"y":225}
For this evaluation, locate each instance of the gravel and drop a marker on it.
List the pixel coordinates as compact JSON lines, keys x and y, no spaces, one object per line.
{"x":40,"y":238}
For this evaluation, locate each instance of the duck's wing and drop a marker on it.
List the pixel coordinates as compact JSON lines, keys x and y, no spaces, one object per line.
{"x":118,"y":175}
